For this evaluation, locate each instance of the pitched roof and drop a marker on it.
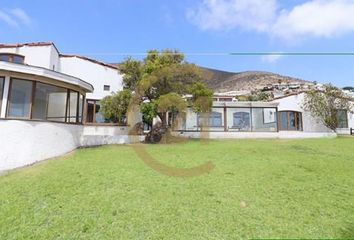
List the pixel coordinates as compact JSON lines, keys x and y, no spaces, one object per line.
{"x":89,"y":59}
{"x":32,"y":44}
{"x":39,"y":44}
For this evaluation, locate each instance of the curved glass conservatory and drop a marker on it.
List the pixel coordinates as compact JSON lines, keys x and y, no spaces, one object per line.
{"x":34,"y":93}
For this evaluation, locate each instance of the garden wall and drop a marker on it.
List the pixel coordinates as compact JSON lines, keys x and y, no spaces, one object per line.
{"x":26,"y":142}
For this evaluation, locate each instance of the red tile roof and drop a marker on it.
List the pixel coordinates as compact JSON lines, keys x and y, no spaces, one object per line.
{"x":32,"y":44}
{"x":37,"y":44}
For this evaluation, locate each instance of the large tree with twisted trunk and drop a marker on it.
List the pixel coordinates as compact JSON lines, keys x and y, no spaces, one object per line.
{"x":161,"y":80}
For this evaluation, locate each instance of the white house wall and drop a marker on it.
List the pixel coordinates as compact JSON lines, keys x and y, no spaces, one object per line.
{"x":40,"y":56}
{"x":294,"y":103}
{"x":96,"y":74}
{"x":26,"y":142}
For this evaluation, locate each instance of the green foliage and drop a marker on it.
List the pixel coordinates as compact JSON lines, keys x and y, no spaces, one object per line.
{"x":161,"y":73}
{"x":171,"y":102}
{"x":259,"y":189}
{"x":132,"y":70}
{"x":149,"y":111}
{"x":202,"y":97}
{"x":325,"y":105}
{"x":116,"y":105}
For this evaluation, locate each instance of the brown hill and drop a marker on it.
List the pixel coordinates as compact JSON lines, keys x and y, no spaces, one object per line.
{"x":222,"y":81}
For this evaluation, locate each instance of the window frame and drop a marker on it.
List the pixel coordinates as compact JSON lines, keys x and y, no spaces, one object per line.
{"x":11,"y":57}
{"x":346,"y":119}
{"x":296,"y":114}
{"x":2,"y":90}
{"x":104,"y":88}
{"x":9,"y":97}
{"x":210,"y":115}
{"x":33,"y":94}
{"x":242,"y":117}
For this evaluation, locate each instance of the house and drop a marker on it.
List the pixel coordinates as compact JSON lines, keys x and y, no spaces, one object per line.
{"x":104,"y":78}
{"x":49,"y":103}
{"x":283,"y":117}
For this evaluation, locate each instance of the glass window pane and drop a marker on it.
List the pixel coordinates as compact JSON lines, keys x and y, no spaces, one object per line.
{"x":81,"y":105}
{"x":20,"y":99}
{"x":72,"y":106}
{"x":49,"y":103}
{"x":264,"y":119}
{"x":291,"y":120}
{"x":2,"y":80}
{"x":4,"y":57}
{"x":239,"y":119}
{"x":283,"y":120}
{"x":98,"y":115}
{"x":342,"y":116}
{"x":17,"y":59}
{"x":212,"y":119}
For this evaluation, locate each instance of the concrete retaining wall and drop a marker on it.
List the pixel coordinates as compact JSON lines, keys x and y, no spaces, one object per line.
{"x":26,"y":142}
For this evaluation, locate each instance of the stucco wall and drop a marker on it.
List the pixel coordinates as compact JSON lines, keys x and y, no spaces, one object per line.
{"x":294,"y":103}
{"x":26,"y":142}
{"x":93,"y":73}
{"x":41,"y":56}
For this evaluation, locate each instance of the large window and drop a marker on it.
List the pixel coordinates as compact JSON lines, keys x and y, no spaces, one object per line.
{"x":212,"y":119}
{"x":20,"y":99}
{"x":2,"y":80}
{"x":264,"y":119}
{"x":73,"y":106}
{"x":49,"y":103}
{"x":342,"y":117}
{"x":10,"y":57}
{"x":39,"y":101}
{"x":241,"y":120}
{"x":290,"y":121}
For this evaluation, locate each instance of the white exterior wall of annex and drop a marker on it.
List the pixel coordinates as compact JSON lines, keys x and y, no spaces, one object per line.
{"x":294,"y":103}
{"x":96,"y":74}
{"x":44,"y":140}
{"x":40,"y":56}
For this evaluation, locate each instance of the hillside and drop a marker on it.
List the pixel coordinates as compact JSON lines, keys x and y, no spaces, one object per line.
{"x":222,"y":81}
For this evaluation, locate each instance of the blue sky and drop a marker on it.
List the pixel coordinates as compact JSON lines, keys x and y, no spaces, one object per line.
{"x":106,"y":30}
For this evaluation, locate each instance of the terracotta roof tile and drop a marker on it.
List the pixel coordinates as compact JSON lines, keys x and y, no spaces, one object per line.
{"x":32,"y":44}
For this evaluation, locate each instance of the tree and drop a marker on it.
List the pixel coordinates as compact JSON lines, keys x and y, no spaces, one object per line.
{"x":115,"y":106}
{"x":149,"y":111}
{"x":202,"y":97}
{"x":325,"y":105}
{"x":162,"y":79}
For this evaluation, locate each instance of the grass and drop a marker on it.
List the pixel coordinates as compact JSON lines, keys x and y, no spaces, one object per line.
{"x":258,"y":189}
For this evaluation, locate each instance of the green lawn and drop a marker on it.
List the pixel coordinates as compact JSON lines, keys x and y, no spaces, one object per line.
{"x":258,"y":189}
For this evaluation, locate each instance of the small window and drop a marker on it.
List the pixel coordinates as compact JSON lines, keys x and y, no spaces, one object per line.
{"x":342,"y":117}
{"x":106,"y":87}
{"x":13,"y":58}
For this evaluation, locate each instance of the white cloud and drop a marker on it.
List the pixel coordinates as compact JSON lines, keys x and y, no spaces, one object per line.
{"x":271,"y":58}
{"x":229,"y":14}
{"x":8,"y":19}
{"x":22,"y":16}
{"x":15,"y":17}
{"x":315,"y":18}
